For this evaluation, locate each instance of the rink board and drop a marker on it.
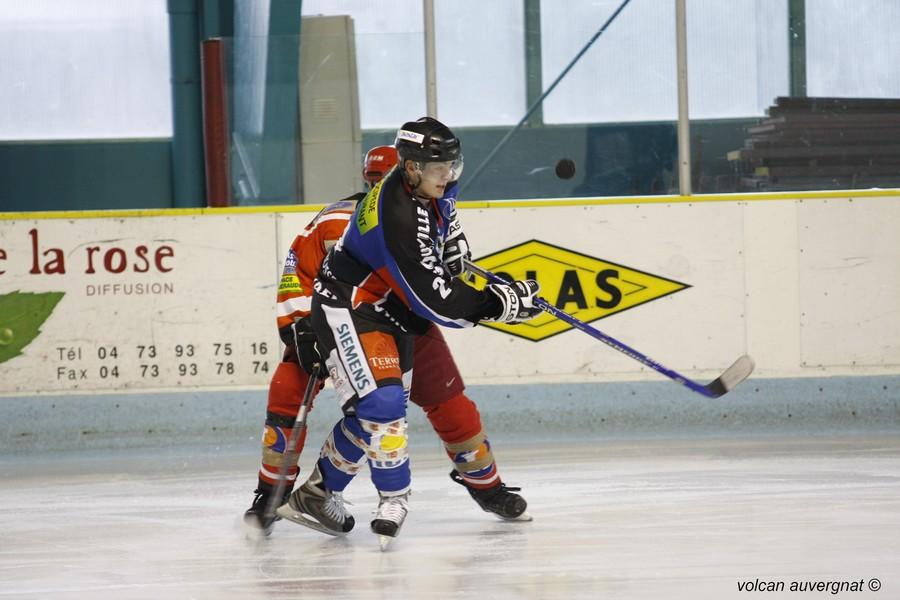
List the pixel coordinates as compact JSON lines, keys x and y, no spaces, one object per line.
{"x":546,"y":413}
{"x":185,"y":300}
{"x":146,"y":303}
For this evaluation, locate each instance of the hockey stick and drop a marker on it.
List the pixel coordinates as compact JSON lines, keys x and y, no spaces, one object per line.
{"x":289,"y":456}
{"x":733,"y":375}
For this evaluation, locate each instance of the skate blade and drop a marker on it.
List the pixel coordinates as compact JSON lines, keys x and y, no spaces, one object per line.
{"x":254,"y":530}
{"x":384,"y":541}
{"x":524,"y":517}
{"x":256,"y":534}
{"x":286,"y":512}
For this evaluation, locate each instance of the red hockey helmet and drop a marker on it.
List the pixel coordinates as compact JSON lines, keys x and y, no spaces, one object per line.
{"x":379,"y":160}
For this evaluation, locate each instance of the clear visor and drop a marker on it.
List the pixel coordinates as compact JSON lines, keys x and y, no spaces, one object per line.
{"x":442,"y":172}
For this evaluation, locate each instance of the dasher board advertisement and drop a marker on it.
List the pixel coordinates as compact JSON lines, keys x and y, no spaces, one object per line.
{"x":156,"y":302}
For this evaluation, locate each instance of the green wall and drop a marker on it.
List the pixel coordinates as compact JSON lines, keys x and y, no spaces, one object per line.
{"x":611,"y":159}
{"x":78,"y":175}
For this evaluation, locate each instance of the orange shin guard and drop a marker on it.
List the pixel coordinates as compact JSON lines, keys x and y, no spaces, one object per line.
{"x":458,"y":424}
{"x":285,"y":395}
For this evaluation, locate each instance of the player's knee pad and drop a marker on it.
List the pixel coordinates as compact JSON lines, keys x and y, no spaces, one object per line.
{"x":383,"y":443}
{"x":344,"y":450}
{"x":277,"y":432}
{"x":387,"y":445}
{"x":382,"y":426}
{"x":455,"y":420}
{"x":275,"y":437}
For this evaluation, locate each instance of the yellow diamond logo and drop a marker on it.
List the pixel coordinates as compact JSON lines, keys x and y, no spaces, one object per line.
{"x":587,"y":288}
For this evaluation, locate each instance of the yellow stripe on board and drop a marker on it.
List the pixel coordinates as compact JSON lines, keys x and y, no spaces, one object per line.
{"x":548,"y":202}
{"x":160,"y":212}
{"x":673,"y":199}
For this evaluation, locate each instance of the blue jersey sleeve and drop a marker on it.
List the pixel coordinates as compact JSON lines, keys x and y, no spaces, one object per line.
{"x":399,"y":238}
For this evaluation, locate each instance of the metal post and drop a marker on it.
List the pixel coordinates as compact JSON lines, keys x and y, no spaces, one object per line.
{"x":215,"y":124}
{"x":533,"y":68}
{"x":187,"y":137}
{"x":684,"y":131}
{"x":797,"y":46}
{"x":430,"y":60}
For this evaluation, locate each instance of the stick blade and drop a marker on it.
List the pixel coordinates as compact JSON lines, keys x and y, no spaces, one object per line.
{"x":733,"y":375}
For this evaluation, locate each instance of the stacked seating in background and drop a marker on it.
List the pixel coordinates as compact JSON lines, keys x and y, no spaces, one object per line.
{"x":821,"y":143}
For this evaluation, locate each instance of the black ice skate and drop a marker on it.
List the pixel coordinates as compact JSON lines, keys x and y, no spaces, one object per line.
{"x":256,"y":518}
{"x":317,"y":508}
{"x":389,"y":518}
{"x":499,"y":500}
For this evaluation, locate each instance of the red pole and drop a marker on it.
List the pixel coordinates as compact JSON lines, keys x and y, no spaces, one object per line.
{"x":215,"y":124}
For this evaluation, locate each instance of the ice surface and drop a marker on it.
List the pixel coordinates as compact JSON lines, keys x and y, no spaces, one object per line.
{"x":615,"y":519}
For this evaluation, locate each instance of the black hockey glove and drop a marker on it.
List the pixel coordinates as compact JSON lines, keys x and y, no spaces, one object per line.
{"x":307,"y":347}
{"x":516,"y":300}
{"x":456,"y":248}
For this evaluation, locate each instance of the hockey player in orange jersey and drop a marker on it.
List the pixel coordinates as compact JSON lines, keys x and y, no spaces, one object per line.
{"x":437,"y":384}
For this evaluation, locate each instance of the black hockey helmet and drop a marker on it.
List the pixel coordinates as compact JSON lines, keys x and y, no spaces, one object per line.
{"x":427,"y":140}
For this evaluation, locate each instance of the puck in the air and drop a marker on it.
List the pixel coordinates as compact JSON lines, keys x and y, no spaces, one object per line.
{"x":565,"y":168}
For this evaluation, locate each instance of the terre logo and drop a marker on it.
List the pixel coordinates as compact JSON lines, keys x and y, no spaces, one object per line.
{"x":586,"y":287}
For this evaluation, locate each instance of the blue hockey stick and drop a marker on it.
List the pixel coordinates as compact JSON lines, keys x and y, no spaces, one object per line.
{"x":733,"y":375}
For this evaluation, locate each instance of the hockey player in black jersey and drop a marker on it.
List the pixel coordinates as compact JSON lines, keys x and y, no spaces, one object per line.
{"x":380,"y":285}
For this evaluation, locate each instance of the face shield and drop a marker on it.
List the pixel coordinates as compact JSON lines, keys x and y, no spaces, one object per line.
{"x":440,"y":173}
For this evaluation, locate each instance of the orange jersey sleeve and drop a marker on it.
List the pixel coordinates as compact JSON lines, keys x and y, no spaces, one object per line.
{"x":304,"y":258}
